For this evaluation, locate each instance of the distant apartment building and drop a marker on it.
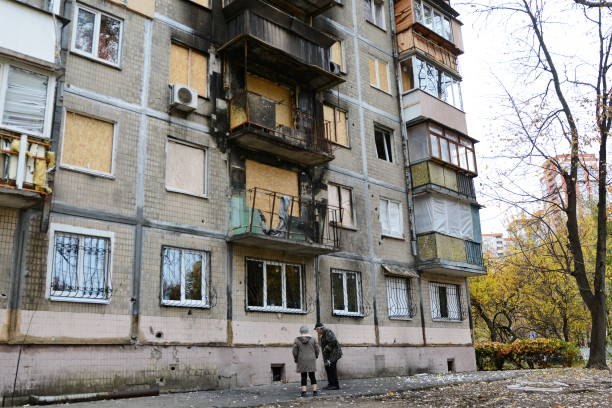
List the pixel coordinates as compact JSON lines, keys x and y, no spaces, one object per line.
{"x":183,"y":184}
{"x":555,"y":187}
{"x":494,"y":244}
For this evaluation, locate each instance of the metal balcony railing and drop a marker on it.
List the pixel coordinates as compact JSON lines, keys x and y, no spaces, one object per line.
{"x":284,"y":122}
{"x":23,"y":163}
{"x":277,"y":215}
{"x":473,"y":251}
{"x":465,"y":185}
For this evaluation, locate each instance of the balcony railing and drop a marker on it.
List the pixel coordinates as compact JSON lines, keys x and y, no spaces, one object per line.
{"x":272,"y":219}
{"x":453,"y":255}
{"x":278,"y":123}
{"x":23,"y":169}
{"x":473,"y":251}
{"x":465,"y":185}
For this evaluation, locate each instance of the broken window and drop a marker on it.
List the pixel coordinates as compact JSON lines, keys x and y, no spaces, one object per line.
{"x":336,"y":130}
{"x":185,"y":168}
{"x":384,"y":145}
{"x":80,"y":264}
{"x":437,"y":83}
{"x":391,"y":218}
{"x":346,"y":292}
{"x":399,"y":301}
{"x":97,"y":35}
{"x":445,"y":301}
{"x":185,"y":277}
{"x":189,"y":67}
{"x":337,"y":55}
{"x":274,"y":286}
{"x":433,"y":19}
{"x":24,"y":100}
{"x":379,"y":74}
{"x":375,"y":12}
{"x":88,"y":144}
{"x":341,"y":205}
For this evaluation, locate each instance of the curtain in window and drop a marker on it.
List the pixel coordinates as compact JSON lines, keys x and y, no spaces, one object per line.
{"x":435,"y":213}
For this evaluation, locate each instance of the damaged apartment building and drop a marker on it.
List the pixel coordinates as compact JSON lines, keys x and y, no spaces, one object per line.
{"x":184,"y":183}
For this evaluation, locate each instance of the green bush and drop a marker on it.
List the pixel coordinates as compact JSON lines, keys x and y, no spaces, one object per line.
{"x":532,"y":353}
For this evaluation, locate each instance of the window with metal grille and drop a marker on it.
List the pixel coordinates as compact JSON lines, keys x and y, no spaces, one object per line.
{"x":399,"y":298}
{"x":346,"y":293}
{"x":274,"y":286}
{"x":445,"y":301}
{"x":80,"y":267}
{"x":185,"y":277}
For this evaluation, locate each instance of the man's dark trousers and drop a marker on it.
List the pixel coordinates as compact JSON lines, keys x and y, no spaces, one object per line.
{"x":332,"y":375}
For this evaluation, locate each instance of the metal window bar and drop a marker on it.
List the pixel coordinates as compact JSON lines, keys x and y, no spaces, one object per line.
{"x":465,"y":185}
{"x":249,"y":109}
{"x":400,"y":298}
{"x":266,"y":286}
{"x":445,"y":300}
{"x":284,"y":216}
{"x":81,"y":266}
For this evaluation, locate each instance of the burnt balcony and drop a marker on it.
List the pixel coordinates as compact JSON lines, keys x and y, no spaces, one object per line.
{"x":277,"y":45}
{"x":262,"y":124}
{"x":268,"y":219}
{"x":306,"y":8}
{"x":447,"y":255}
{"x":23,"y":170}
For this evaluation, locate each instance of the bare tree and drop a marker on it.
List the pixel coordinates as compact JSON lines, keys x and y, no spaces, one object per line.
{"x":565,"y":110}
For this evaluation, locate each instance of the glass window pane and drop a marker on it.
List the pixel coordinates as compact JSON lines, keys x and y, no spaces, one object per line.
{"x":294,"y":288}
{"x":454,"y":154}
{"x":95,"y":251}
{"x":471,"y":160}
{"x":379,"y":15}
{"x":443,"y":302}
{"x":395,"y":222}
{"x":65,"y":261}
{"x":428,"y":16}
{"x":274,"y":285}
{"x":254,"y":283}
{"x":457,"y":95}
{"x":446,"y":89}
{"x":462,"y":157}
{"x":431,"y":83}
{"x":85,"y":31}
{"x":26,"y":100}
{"x":418,"y":11}
{"x":337,"y":291}
{"x":437,"y":23}
{"x":351,"y":293}
{"x":397,"y":297}
{"x":171,"y":274}
{"x":448,"y":31}
{"x":192,"y":265}
{"x":108,"y":45}
{"x":444,"y":150}
{"x":384,"y":215}
{"x":435,"y":149}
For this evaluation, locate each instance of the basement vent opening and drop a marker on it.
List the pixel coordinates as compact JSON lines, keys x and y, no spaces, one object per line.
{"x":278,"y":372}
{"x":450,"y":363}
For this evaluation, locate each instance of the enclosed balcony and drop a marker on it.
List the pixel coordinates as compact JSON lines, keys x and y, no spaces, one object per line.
{"x":261,"y":123}
{"x":268,"y":219}
{"x":305,"y":8}
{"x":433,"y":176}
{"x":449,"y":255}
{"x":278,"y":45}
{"x":23,"y":170}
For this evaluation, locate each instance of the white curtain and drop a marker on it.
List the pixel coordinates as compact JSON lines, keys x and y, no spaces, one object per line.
{"x":443,"y":214}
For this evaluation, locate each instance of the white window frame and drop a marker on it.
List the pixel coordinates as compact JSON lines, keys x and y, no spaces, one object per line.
{"x":342,"y":218}
{"x":4,"y":69}
{"x":420,"y":18}
{"x":171,"y":139}
{"x":345,"y":312}
{"x":85,"y":170}
{"x":434,"y":298}
{"x":409,"y":282}
{"x":82,"y":232}
{"x":388,"y":232}
{"x":96,"y":35}
{"x":276,"y":309}
{"x":200,"y":304}
{"x":389,"y":147}
{"x":373,"y":5}
{"x":377,"y":85}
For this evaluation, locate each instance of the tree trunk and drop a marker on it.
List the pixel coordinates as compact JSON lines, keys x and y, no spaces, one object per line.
{"x":599,"y":327}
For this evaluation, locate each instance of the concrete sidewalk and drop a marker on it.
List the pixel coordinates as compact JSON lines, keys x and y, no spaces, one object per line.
{"x":283,"y":393}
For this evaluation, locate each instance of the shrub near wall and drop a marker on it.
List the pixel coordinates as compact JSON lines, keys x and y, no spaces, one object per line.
{"x":532,"y":353}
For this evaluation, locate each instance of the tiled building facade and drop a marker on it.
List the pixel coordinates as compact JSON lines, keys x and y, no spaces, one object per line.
{"x":205,"y":177}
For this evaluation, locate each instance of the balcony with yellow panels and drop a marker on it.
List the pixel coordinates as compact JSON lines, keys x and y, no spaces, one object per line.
{"x":448,"y":255}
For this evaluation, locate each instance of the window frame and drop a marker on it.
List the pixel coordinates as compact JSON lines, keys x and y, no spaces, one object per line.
{"x":359,"y":293}
{"x":352,"y":226}
{"x":371,"y":18}
{"x":206,"y":277}
{"x":276,"y":309}
{"x":389,"y":233}
{"x":377,"y":85}
{"x":5,"y":66}
{"x":171,"y":139}
{"x":82,"y":233}
{"x":434,"y":288}
{"x":343,"y":68}
{"x":419,"y":17}
{"x":389,"y":146}
{"x":96,"y":35}
{"x":346,"y":120}
{"x":417,"y":81}
{"x":409,"y":300}
{"x":463,"y":141}
{"x":85,"y":170}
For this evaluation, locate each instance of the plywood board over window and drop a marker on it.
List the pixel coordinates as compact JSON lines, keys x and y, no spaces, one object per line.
{"x":282,"y":95}
{"x":185,"y":168}
{"x":269,"y":179}
{"x":189,"y":67}
{"x":335,"y":125}
{"x":88,"y":144}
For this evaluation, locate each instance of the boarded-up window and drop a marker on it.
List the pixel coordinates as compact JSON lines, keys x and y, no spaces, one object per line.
{"x":335,"y":125}
{"x":269,"y":180}
{"x":88,"y":143}
{"x":189,"y":67}
{"x":341,"y":205}
{"x":281,"y":96}
{"x":336,"y":55}
{"x":379,"y":74}
{"x":185,"y":168}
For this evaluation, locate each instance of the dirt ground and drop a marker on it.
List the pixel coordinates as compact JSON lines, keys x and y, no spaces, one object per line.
{"x":559,"y":388}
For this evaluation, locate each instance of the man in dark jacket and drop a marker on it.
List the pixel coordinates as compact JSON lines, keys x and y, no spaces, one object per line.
{"x":331,"y":354}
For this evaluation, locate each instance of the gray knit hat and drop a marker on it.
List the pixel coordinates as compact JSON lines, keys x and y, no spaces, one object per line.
{"x":304,"y":330}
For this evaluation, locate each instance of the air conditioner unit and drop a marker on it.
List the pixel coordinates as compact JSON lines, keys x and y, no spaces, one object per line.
{"x":335,"y":68}
{"x":183,"y":98}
